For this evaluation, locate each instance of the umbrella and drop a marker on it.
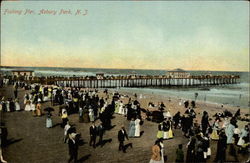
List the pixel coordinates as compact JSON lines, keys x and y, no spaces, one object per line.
{"x":49,"y":109}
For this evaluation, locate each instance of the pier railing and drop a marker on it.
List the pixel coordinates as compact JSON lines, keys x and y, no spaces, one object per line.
{"x":135,"y":81}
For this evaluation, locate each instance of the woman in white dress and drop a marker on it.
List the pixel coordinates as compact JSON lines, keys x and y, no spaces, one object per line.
{"x":121,"y":110}
{"x":137,"y":127}
{"x":27,"y":106}
{"x":17,"y":106}
{"x":91,"y":115}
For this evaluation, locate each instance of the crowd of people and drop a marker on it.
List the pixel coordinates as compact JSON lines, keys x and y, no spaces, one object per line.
{"x":223,"y":130}
{"x":90,"y":107}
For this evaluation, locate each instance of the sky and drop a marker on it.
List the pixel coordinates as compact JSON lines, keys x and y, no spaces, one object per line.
{"x":127,"y":35}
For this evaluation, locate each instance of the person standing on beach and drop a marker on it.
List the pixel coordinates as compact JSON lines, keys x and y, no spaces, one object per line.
{"x":16,"y":90}
{"x":17,"y":105}
{"x":204,"y":122}
{"x":161,"y":106}
{"x":176,"y":119}
{"x":121,"y":109}
{"x":49,"y":120}
{"x":73,"y":147}
{"x":166,"y":127}
{"x":137,"y":127}
{"x":122,"y":134}
{"x":66,"y":135}
{"x":39,"y":108}
{"x":100,"y":130}
{"x":199,"y":157}
{"x":230,"y":131}
{"x":93,"y":134}
{"x":131,"y":128}
{"x":156,"y":153}
{"x":214,"y":135}
{"x":64,"y":118}
{"x":11,"y":105}
{"x":191,"y":150}
{"x":91,"y":114}
{"x":221,"y":148}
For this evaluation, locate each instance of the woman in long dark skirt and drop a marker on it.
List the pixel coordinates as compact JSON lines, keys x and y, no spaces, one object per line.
{"x":221,"y":148}
{"x":176,"y":119}
{"x":199,"y":150}
{"x":204,"y":122}
{"x":191,"y":150}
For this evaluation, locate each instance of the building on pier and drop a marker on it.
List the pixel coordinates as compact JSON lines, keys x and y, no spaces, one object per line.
{"x":24,"y":73}
{"x":178,"y":73}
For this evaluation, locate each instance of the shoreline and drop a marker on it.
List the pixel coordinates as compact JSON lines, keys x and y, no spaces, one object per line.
{"x":161,"y":92}
{"x":174,"y":106}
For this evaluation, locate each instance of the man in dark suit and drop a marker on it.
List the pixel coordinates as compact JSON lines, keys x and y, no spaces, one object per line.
{"x":93,"y":133}
{"x":100,"y":130}
{"x":122,"y":134}
{"x":73,"y":147}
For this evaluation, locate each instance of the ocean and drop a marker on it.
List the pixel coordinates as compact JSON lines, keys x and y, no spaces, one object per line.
{"x":234,"y":94}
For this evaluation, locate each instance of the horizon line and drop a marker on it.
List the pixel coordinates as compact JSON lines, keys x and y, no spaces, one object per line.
{"x":116,"y":68}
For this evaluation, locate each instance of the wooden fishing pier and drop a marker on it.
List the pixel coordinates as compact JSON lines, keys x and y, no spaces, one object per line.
{"x":174,"y":78}
{"x":141,"y":81}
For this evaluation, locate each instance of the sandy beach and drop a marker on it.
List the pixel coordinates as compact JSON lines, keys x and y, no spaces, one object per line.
{"x":31,"y":141}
